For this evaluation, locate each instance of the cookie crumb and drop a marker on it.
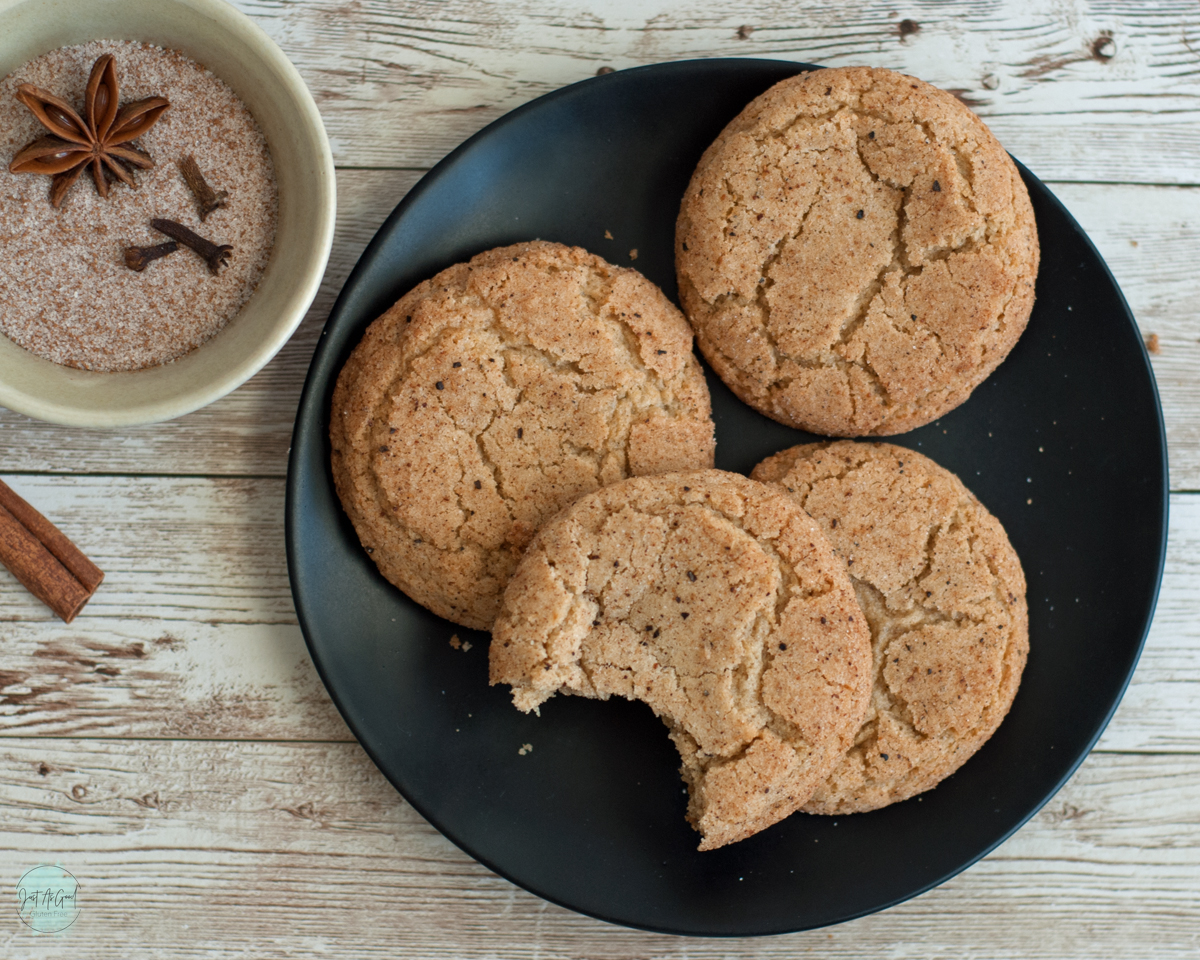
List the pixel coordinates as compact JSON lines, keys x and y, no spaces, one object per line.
{"x":455,"y":642}
{"x":525,"y":748}
{"x":633,"y":254}
{"x":744,"y":31}
{"x":1152,"y":343}
{"x":608,"y":235}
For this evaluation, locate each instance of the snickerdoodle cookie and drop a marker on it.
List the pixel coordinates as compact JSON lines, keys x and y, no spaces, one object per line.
{"x":944,"y":595}
{"x":856,"y":252}
{"x":717,"y":601}
{"x":494,"y":394}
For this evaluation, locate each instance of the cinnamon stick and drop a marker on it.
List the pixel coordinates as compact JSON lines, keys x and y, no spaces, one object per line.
{"x":41,"y":557}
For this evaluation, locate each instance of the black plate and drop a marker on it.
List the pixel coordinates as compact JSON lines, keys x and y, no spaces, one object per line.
{"x":1064,"y":443}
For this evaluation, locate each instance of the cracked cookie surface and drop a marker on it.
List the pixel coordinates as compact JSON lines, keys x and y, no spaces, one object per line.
{"x":944,"y":594}
{"x":715,"y":600}
{"x":856,"y":252}
{"x":494,"y":394}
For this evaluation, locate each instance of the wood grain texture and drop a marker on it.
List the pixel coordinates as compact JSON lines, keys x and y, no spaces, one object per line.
{"x":219,"y":850}
{"x":151,"y":678}
{"x":193,"y":633}
{"x":1079,"y":89}
{"x":178,"y":549}
{"x":249,"y":431}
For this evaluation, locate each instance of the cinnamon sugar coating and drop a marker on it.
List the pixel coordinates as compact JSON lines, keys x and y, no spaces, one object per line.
{"x":715,"y":600}
{"x":494,"y":394}
{"x":944,"y":595}
{"x":856,"y":252}
{"x":65,"y":291}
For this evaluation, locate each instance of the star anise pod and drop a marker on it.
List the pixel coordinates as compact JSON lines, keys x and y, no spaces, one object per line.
{"x":103,"y":141}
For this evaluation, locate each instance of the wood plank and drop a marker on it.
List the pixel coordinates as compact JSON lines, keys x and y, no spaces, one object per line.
{"x":249,"y":431}
{"x":179,"y":549}
{"x":221,"y":850}
{"x":193,"y":633}
{"x":1069,"y":105}
{"x":156,"y":678}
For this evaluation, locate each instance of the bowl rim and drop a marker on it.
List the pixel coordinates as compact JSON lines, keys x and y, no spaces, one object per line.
{"x":155,"y":409}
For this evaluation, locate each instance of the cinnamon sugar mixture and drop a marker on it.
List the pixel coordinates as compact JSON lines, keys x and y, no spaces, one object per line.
{"x":65,"y":292}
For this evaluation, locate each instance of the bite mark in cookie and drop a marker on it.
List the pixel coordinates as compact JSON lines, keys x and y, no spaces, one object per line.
{"x":715,"y":600}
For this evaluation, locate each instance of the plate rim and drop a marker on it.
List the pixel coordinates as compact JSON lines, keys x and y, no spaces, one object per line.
{"x":295,"y":481}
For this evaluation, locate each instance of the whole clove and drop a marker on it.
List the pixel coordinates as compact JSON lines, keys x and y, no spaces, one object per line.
{"x":208,"y":198}
{"x":136,"y":258}
{"x":215,"y":255}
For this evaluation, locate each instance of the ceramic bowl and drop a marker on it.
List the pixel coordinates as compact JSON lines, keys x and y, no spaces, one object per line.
{"x":213,"y":33}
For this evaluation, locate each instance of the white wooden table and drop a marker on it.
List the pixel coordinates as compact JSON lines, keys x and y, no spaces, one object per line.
{"x":174,"y":748}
